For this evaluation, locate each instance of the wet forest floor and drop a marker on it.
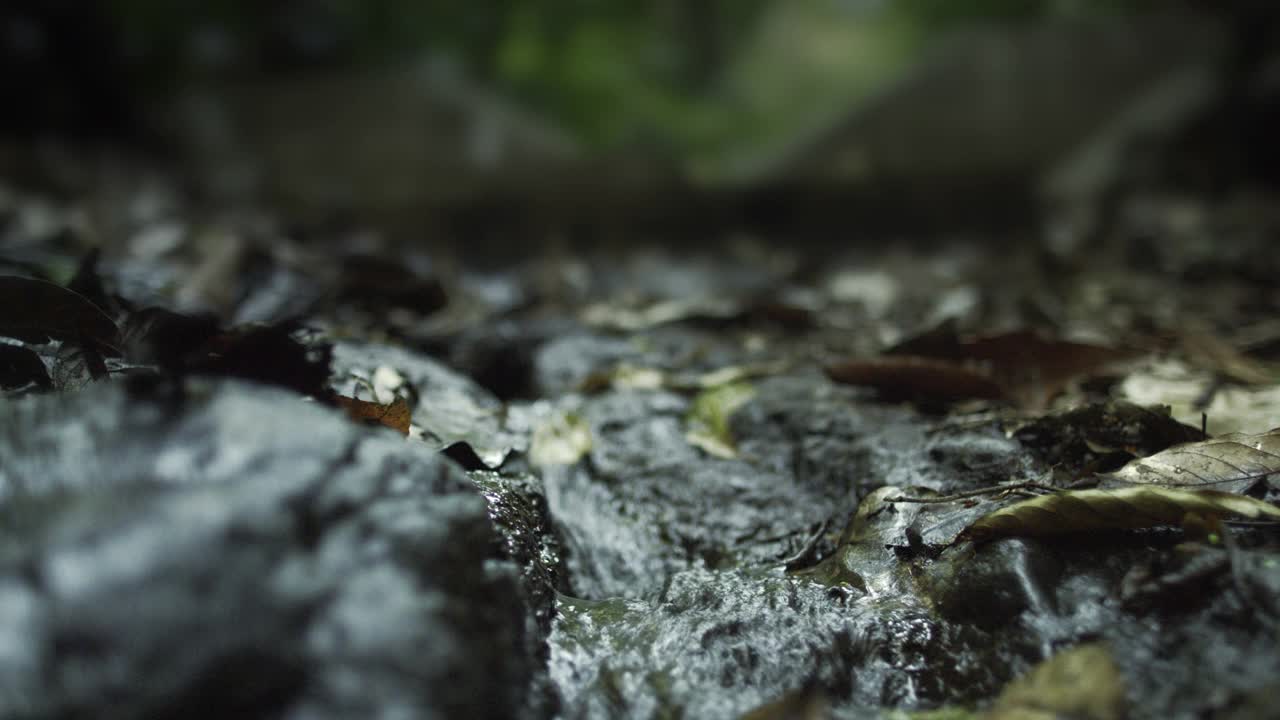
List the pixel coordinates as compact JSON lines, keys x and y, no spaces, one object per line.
{"x":252,"y":468}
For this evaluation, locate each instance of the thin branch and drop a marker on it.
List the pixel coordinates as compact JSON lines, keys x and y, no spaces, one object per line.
{"x":1025,"y":487}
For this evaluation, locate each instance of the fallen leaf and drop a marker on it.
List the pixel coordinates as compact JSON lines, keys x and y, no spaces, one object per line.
{"x":1030,"y":369}
{"x":906,"y":377}
{"x":1128,"y":508}
{"x":1081,"y":682}
{"x":396,"y":415}
{"x":707,"y":424}
{"x":1232,"y":462}
{"x":562,"y":440}
{"x":36,"y":311}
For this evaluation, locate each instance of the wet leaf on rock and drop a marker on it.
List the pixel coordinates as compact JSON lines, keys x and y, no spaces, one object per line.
{"x":707,"y":424}
{"x":1129,"y":508}
{"x":20,"y":367}
{"x":562,"y":440}
{"x":36,"y":311}
{"x":396,"y":415}
{"x":1231,"y":462}
{"x":1082,"y":682}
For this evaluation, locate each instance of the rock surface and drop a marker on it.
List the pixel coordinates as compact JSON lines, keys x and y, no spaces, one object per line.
{"x":239,"y":552}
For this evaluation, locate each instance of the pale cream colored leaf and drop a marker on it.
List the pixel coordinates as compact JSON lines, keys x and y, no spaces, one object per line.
{"x":1235,"y":460}
{"x":562,"y":440}
{"x":1140,"y":506}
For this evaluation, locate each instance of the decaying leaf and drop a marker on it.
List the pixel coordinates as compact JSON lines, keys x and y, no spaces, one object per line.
{"x":707,"y":424}
{"x":562,"y":440}
{"x":36,"y":311}
{"x":1231,"y":462}
{"x":1021,"y":367}
{"x":1126,"y":508}
{"x":1082,"y":682}
{"x":1101,"y":437}
{"x":395,"y":415}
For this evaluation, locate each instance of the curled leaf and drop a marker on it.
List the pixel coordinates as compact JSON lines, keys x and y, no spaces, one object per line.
{"x":1231,"y":462}
{"x":1120,"y":509}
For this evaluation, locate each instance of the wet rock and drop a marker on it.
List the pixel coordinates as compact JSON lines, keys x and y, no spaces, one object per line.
{"x":1103,"y":436}
{"x":999,"y":582}
{"x":240,"y":552}
{"x":716,"y":644}
{"x":648,"y":503}
{"x":519,"y":512}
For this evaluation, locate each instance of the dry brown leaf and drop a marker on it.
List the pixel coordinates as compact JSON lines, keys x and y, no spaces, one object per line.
{"x":917,"y":378}
{"x":396,"y":415}
{"x":1127,"y":508}
{"x":1231,"y":462}
{"x":1020,"y":367}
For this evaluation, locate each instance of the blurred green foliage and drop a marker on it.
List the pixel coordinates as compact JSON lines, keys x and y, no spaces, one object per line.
{"x":671,"y":76}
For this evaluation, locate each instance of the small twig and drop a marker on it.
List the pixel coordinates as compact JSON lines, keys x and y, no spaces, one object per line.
{"x":808,"y":547}
{"x":994,"y":489}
